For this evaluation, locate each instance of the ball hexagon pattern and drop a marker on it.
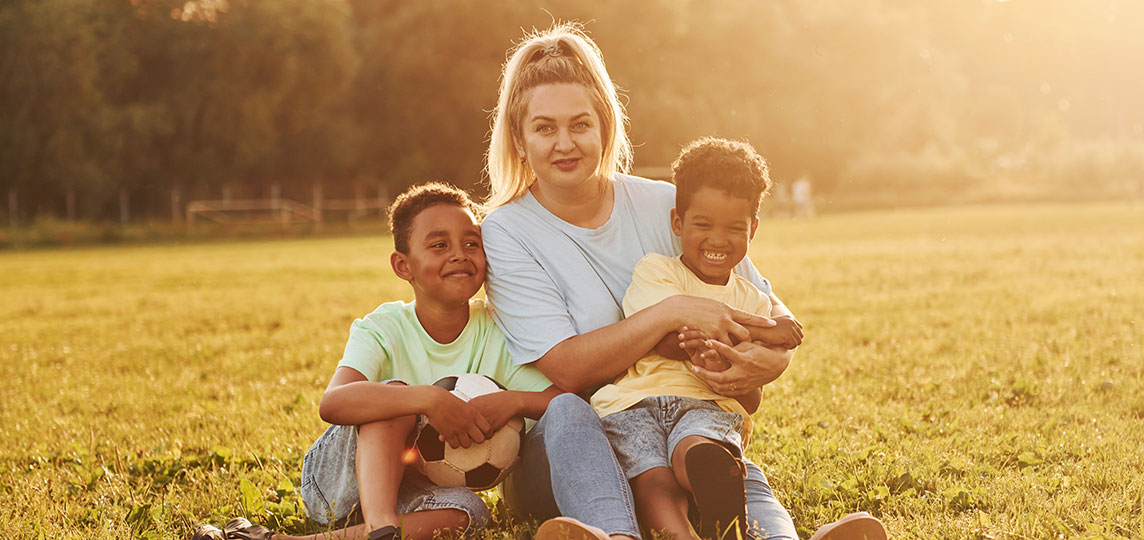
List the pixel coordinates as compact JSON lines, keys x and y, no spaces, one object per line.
{"x":480,"y":466}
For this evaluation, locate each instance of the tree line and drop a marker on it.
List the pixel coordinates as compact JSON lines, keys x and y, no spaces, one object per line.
{"x":877,"y":101}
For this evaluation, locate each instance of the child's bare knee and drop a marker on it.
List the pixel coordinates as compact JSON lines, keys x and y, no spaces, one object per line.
{"x":399,"y":427}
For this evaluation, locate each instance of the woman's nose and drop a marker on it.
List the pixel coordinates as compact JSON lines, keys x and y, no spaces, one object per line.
{"x":564,"y":140}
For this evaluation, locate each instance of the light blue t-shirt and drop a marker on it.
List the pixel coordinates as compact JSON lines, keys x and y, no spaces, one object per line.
{"x":549,"y":280}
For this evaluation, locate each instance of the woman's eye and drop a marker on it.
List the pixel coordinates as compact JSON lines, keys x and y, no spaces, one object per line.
{"x":582,"y":126}
{"x":543,"y":129}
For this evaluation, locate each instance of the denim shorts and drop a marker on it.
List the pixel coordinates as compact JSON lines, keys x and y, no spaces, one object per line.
{"x":644,"y":436}
{"x":330,"y":488}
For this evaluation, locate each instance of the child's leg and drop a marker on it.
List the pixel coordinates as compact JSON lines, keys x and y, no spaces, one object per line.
{"x":661,"y":504}
{"x":713,"y":476}
{"x":380,"y":449}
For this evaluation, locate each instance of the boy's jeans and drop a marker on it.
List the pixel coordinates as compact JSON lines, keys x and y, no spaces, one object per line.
{"x":568,"y":469}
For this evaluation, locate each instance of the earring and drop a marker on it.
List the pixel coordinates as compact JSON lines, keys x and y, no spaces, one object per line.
{"x":522,"y":162}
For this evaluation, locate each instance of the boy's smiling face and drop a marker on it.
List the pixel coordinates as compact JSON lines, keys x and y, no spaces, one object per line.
{"x":715,"y":231}
{"x":446,"y":261}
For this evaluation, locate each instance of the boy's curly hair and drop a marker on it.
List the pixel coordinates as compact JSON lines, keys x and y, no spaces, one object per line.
{"x":415,"y":200}
{"x":733,"y":167}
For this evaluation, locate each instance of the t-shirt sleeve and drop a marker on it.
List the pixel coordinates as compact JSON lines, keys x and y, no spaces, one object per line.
{"x":747,"y":269}
{"x":366,"y":352}
{"x":527,"y":304}
{"x":762,"y":304}
{"x":652,"y":281}
{"x":525,"y":378}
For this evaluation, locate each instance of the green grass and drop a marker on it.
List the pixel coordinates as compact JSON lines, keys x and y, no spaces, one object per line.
{"x":967,"y":373}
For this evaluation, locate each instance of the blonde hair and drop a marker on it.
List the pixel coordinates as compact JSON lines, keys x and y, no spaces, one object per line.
{"x":560,"y":54}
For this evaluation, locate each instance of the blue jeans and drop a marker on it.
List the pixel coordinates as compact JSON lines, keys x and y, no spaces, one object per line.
{"x":568,"y":468}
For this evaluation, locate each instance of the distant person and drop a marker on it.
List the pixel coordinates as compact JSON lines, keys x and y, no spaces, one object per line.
{"x":382,"y":392}
{"x":801,"y":196}
{"x":563,"y":237}
{"x":696,"y":449}
{"x":780,"y":204}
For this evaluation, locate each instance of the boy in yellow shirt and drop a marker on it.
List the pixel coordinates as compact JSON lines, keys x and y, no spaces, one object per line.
{"x":674,"y":436}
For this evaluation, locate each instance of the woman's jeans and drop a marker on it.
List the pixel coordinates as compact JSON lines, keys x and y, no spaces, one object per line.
{"x":567,"y":468}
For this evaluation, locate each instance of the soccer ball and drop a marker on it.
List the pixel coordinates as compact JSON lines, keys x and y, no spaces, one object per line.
{"x":480,"y":466}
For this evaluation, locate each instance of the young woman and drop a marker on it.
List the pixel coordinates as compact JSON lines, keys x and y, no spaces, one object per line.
{"x":565,"y":230}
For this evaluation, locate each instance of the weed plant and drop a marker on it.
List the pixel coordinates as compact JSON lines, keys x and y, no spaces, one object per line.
{"x":967,"y":373}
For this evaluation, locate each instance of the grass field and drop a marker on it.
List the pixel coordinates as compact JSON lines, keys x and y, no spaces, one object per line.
{"x":967,"y":373}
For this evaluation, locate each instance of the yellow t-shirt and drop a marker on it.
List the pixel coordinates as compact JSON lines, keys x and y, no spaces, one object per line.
{"x":655,"y":278}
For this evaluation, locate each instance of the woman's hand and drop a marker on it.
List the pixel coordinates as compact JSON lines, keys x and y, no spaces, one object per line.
{"x":751,"y":367}
{"x":716,"y":319}
{"x":458,"y":422}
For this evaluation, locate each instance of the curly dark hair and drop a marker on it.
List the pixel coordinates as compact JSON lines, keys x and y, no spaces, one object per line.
{"x":730,"y":166}
{"x":415,"y":200}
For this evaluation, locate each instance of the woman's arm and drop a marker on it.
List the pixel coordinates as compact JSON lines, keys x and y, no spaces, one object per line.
{"x":581,"y":362}
{"x":753,"y":364}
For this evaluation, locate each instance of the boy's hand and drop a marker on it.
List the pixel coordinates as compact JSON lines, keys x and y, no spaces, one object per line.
{"x":459,"y":423}
{"x":786,"y":333}
{"x":698,"y":348}
{"x":498,"y":408}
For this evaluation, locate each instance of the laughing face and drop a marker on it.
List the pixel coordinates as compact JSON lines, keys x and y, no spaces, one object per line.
{"x":715,"y":231}
{"x":446,"y":261}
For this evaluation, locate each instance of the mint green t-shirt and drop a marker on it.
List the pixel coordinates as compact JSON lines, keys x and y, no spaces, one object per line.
{"x":390,"y":343}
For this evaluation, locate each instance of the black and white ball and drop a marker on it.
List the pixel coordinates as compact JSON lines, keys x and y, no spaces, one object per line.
{"x":480,"y":466}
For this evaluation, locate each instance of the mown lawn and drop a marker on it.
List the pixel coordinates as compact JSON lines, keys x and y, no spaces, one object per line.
{"x":967,"y":373}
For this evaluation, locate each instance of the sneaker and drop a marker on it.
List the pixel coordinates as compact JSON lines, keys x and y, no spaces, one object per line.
{"x":717,"y":486}
{"x":242,"y":529}
{"x":206,"y":531}
{"x":566,"y":528}
{"x":388,"y":532}
{"x":857,"y":526}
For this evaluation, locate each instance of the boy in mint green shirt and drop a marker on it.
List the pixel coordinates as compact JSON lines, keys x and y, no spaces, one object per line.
{"x":382,"y":390}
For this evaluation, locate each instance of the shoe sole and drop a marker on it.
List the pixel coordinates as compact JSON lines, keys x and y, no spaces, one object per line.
{"x":718,"y":489}
{"x":859,"y":526}
{"x":563,"y":528}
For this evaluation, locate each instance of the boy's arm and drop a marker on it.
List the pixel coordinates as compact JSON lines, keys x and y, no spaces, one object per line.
{"x":352,"y":400}
{"x":751,"y":400}
{"x":499,"y":407}
{"x":787,"y":331}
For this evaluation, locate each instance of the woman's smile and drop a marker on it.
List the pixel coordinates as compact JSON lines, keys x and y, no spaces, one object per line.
{"x":567,"y":164}
{"x":561,"y":136}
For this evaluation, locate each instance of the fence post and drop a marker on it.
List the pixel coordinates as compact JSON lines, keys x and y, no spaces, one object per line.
{"x":317,"y":206}
{"x":124,"y":207}
{"x":12,"y":208}
{"x":276,"y":202}
{"x":382,"y":199}
{"x":359,"y":203}
{"x":176,"y":202}
{"x":69,"y":199}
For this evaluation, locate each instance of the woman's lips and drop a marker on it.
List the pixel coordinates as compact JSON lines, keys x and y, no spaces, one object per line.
{"x":566,"y":164}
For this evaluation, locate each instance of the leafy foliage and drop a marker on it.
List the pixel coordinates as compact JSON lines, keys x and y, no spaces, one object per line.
{"x":880,"y":102}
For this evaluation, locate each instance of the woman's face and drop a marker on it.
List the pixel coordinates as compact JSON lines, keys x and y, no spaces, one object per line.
{"x":561,"y":135}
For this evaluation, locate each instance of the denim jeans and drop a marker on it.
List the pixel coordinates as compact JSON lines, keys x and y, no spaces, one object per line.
{"x":568,"y":468}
